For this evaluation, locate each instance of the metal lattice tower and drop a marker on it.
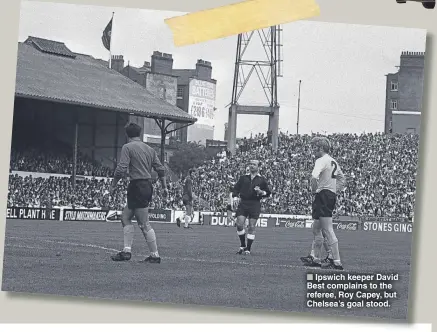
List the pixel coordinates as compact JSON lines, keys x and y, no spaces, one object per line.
{"x":267,"y":68}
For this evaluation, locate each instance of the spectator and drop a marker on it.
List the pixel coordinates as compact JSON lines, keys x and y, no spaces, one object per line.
{"x":55,"y":160}
{"x":381,"y":172}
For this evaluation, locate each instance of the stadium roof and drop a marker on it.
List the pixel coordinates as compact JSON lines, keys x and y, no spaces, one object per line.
{"x":48,"y":70}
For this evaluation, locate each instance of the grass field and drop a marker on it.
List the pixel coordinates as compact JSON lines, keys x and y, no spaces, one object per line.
{"x":199,"y":266}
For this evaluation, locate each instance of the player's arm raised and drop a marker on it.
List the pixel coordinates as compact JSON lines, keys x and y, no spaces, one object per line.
{"x":315,"y":175}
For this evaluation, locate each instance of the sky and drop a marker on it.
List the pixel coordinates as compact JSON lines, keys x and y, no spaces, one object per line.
{"x":342,"y":66}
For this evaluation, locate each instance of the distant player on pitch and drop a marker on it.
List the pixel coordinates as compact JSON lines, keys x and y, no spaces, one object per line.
{"x":229,"y":207}
{"x":138,"y":159}
{"x":187,"y":199}
{"x":326,"y":181}
{"x":247,"y":194}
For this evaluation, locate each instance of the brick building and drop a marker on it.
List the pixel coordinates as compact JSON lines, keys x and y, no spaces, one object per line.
{"x":156,"y":76}
{"x":196,"y":95}
{"x":181,"y":87}
{"x":404,"y":91}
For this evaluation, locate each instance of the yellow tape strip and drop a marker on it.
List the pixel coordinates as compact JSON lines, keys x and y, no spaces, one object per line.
{"x":237,"y":18}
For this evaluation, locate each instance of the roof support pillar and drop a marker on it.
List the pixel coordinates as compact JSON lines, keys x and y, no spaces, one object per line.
{"x":75,"y":140}
{"x":164,"y":132}
{"x":116,"y":140}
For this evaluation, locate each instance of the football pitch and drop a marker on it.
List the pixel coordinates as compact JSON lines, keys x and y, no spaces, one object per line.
{"x":199,"y":266}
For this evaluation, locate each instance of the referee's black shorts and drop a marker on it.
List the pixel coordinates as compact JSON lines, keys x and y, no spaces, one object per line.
{"x":139,"y":194}
{"x":324,"y":204}
{"x":249,"y":209}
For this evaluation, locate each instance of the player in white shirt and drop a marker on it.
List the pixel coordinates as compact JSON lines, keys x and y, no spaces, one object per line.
{"x":229,"y":203}
{"x":327,"y":180}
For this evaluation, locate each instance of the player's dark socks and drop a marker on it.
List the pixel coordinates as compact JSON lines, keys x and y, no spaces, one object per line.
{"x":152,"y":259}
{"x":121,"y":256}
{"x":332,"y":266}
{"x":178,"y":222}
{"x":242,"y":240}
{"x":249,"y":244}
{"x":242,"y":236}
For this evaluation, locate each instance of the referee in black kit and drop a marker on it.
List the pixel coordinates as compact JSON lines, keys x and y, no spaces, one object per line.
{"x":247,"y":194}
{"x":138,"y":159}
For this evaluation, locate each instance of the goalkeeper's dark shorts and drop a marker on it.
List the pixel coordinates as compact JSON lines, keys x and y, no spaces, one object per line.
{"x":229,"y":208}
{"x":139,"y":194}
{"x":249,"y":209}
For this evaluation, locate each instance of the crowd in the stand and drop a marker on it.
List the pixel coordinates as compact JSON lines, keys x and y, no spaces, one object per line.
{"x":381,"y":173}
{"x":91,"y":193}
{"x":380,"y":170}
{"x":54,"y":159}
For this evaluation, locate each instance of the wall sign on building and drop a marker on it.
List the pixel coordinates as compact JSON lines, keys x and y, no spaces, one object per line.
{"x":201,"y":104}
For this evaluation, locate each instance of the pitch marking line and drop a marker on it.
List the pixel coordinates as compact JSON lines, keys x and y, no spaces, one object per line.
{"x":198,"y":260}
{"x":75,"y":244}
{"x":35,"y":247}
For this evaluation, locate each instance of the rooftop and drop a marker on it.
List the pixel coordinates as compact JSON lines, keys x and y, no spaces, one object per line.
{"x":48,"y":70}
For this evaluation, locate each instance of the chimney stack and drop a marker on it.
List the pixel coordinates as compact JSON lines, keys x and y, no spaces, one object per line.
{"x":162,"y":63}
{"x":203,"y":69}
{"x":412,"y":59}
{"x":117,"y":63}
{"x":146,"y":67}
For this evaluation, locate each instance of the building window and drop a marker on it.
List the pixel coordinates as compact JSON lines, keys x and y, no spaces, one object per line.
{"x":394,"y":86}
{"x":393,"y":104}
{"x":180,"y":94}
